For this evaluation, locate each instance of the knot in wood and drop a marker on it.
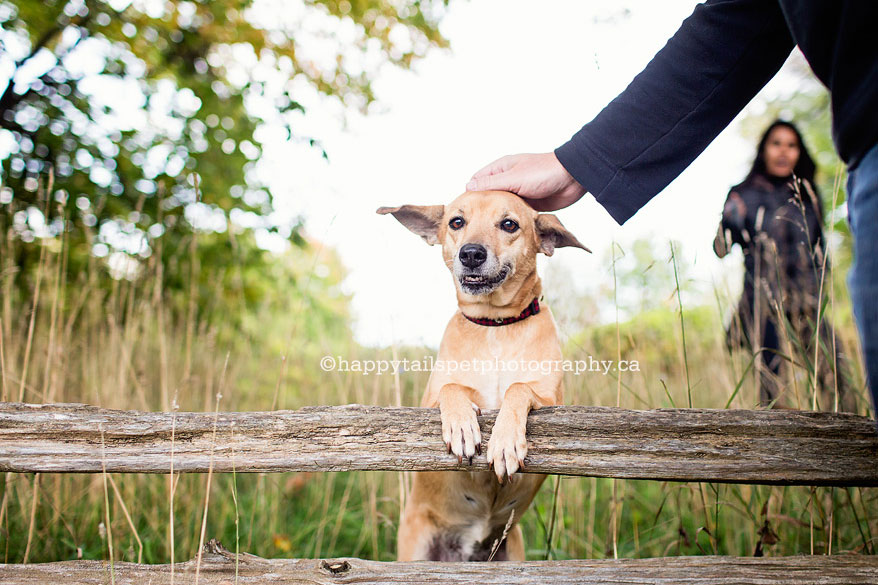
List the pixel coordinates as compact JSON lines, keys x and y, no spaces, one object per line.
{"x":214,"y":546}
{"x":335,"y":567}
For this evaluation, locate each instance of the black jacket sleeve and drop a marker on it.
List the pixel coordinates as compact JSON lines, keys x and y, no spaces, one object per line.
{"x":732,"y":225}
{"x":723,"y":54}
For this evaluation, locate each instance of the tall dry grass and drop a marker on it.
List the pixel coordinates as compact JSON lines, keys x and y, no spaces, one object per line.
{"x":115,"y":344}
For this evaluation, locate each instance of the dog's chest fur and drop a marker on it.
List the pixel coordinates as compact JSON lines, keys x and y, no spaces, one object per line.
{"x":498,"y":357}
{"x":498,"y":373}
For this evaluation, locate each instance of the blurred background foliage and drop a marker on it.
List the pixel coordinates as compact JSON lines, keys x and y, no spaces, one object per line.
{"x":148,"y":116}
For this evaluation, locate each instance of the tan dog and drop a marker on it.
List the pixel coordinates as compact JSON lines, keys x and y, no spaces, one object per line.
{"x":489,"y":242}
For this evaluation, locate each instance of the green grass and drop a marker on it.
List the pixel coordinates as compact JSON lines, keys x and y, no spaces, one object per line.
{"x":117,"y":346}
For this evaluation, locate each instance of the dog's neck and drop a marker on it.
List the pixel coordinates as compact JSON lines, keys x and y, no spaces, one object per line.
{"x":507,"y":301}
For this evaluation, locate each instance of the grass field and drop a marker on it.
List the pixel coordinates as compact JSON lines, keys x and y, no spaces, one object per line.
{"x":119,"y":346}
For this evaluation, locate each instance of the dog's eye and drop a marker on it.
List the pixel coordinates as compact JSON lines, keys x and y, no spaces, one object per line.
{"x":508,"y":225}
{"x":456,"y":223}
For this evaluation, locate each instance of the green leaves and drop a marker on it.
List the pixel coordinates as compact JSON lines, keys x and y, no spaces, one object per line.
{"x":147,"y":112}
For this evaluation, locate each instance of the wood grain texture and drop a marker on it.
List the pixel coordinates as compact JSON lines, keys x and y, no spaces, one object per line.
{"x":734,"y":446}
{"x":218,"y":566}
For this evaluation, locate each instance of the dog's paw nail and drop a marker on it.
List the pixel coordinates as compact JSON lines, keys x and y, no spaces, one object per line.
{"x":448,"y":446}
{"x":478,"y":412}
{"x":470,"y":460}
{"x":479,"y":448}
{"x":459,"y":459}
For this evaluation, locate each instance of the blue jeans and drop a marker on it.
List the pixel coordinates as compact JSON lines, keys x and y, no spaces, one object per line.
{"x":863,"y":277}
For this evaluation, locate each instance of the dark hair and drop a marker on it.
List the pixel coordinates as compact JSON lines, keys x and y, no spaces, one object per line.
{"x":804,"y":168}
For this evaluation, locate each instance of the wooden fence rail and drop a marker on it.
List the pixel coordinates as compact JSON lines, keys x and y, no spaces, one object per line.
{"x":219,"y":566}
{"x":733,"y":446}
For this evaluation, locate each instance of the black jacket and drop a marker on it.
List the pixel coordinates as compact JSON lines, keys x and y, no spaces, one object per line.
{"x":779,"y":230}
{"x":723,"y":54}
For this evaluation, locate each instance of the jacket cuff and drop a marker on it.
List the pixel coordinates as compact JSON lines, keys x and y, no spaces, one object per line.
{"x":588,"y":167}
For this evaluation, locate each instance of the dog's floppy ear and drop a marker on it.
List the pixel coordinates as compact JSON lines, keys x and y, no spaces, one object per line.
{"x":423,"y":220}
{"x":553,"y":235}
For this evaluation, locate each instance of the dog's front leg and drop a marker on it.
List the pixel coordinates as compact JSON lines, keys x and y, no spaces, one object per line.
{"x":507,"y":447}
{"x":460,"y":427}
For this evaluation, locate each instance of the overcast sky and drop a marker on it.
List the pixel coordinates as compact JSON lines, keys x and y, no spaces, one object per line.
{"x":516,"y":79}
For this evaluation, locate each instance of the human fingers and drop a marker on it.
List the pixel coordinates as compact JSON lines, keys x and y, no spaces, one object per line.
{"x":500,"y":165}
{"x":502,"y":181}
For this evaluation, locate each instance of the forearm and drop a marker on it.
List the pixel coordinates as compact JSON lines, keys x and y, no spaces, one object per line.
{"x":708,"y":71}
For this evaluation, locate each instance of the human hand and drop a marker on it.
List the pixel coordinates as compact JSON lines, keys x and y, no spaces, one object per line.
{"x":540,"y":179}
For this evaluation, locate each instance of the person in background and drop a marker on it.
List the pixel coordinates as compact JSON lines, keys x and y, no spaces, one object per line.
{"x":718,"y":60}
{"x":775,"y":214}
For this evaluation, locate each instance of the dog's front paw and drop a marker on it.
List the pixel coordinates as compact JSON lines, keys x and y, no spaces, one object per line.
{"x":460,"y":428}
{"x":508,"y":446}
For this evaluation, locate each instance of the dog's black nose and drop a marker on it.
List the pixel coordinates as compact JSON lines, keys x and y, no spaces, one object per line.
{"x":473,"y":255}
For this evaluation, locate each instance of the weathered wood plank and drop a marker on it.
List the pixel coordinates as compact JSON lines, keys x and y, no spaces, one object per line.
{"x":738,"y":446}
{"x":218,"y":567}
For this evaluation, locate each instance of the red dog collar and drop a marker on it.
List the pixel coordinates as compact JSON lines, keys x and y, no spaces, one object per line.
{"x":532,"y":309}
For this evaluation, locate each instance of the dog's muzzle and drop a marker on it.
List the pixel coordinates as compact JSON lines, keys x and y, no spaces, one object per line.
{"x":477,"y":271}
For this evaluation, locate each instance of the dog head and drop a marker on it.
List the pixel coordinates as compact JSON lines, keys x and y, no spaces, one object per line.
{"x":489,"y":239}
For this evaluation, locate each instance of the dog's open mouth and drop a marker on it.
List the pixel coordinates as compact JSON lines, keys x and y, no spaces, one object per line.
{"x":476,"y":284}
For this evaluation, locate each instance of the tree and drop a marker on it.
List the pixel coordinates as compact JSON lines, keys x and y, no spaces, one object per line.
{"x":146,"y":112}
